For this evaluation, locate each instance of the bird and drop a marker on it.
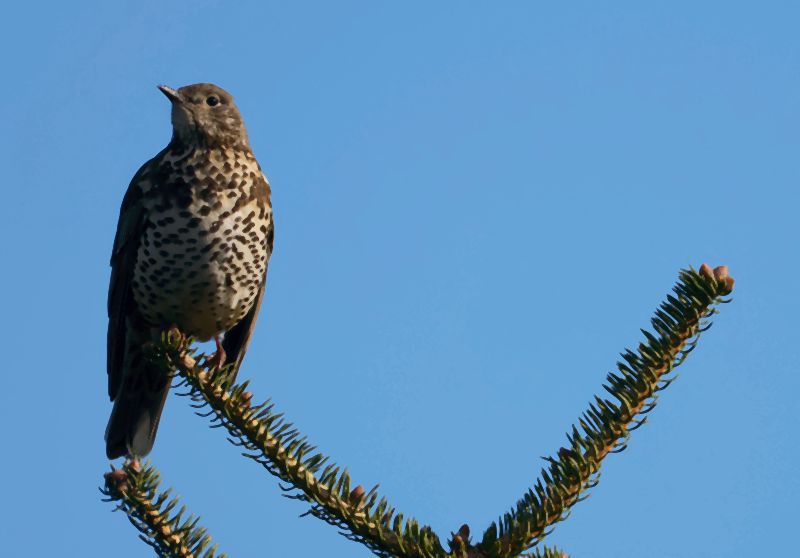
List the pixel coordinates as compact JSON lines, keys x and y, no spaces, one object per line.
{"x":191,"y":250}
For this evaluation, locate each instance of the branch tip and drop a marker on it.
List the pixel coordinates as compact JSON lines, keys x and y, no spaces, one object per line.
{"x":135,"y":489}
{"x":721,"y":275}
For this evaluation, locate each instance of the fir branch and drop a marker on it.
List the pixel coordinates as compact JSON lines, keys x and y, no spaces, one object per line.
{"x":606,"y":425}
{"x":135,"y":489}
{"x":461,"y":547}
{"x":270,"y":440}
{"x":546,"y":552}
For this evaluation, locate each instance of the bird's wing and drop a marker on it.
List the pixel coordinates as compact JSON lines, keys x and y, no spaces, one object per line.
{"x":123,"y":258}
{"x":238,"y":337}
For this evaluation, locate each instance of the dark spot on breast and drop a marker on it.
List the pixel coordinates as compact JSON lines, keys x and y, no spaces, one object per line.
{"x":209,"y":246}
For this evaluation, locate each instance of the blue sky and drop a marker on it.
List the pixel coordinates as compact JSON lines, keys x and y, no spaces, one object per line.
{"x":476,"y":209}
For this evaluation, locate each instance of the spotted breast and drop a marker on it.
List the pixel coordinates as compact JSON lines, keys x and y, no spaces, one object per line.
{"x":206,"y":243}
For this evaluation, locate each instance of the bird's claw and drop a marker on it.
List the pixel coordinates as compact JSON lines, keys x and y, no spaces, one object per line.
{"x":216,"y":361}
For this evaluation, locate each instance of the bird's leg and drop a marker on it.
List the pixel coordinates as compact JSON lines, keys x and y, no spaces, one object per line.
{"x":217,"y":360}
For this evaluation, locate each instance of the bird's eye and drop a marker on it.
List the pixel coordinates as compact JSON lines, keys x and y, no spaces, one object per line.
{"x":212,"y":101}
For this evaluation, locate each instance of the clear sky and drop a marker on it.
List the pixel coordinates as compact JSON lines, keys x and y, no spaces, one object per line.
{"x":477,"y":207}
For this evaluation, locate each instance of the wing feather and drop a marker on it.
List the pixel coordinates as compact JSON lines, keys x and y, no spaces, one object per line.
{"x":123,"y":259}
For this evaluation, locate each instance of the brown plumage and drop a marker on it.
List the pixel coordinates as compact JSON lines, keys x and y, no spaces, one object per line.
{"x":192,"y":246}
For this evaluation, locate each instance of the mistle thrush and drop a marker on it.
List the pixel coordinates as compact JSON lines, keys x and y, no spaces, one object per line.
{"x":192,"y":245}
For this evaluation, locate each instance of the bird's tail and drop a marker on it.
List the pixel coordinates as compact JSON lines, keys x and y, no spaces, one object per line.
{"x":137,"y":409}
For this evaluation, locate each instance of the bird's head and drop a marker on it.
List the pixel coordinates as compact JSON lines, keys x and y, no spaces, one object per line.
{"x":205,"y":114}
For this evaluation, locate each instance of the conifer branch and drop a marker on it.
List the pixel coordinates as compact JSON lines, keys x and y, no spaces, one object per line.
{"x":606,"y":425}
{"x":546,"y":552}
{"x":273,"y":442}
{"x":135,"y":489}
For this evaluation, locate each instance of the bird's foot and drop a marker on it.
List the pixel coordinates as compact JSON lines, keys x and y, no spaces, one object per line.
{"x":217,"y":360}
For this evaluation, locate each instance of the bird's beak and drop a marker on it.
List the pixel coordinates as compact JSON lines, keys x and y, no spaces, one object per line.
{"x":170,"y":93}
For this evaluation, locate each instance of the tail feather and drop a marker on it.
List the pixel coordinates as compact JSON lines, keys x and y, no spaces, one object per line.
{"x":137,"y":409}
